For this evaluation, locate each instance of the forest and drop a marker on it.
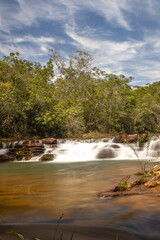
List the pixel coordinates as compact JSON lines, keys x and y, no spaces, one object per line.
{"x":73,"y":99}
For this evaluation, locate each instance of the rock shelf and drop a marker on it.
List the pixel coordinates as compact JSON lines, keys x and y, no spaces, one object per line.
{"x":136,"y":184}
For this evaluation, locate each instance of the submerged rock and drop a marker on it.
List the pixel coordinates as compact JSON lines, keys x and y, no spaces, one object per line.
{"x":106,"y":153}
{"x":117,"y":194}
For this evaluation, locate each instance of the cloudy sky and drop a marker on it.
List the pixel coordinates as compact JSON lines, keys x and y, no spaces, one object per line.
{"x":123,"y":36}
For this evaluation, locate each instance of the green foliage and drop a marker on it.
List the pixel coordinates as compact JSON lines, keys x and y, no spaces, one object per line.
{"x":142,"y":180}
{"x":139,"y":173}
{"x":123,"y":186}
{"x":19,"y":236}
{"x":78,"y":100}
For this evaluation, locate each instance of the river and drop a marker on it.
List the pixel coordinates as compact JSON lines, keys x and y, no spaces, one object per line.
{"x":34,"y":192}
{"x":42,"y":192}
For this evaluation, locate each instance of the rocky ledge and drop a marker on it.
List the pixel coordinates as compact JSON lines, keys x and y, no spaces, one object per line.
{"x":27,"y":149}
{"x":140,"y":183}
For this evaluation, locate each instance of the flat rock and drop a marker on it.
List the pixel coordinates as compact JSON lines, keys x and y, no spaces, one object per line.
{"x":33,"y":143}
{"x":49,"y":141}
{"x":7,"y":158}
{"x":128,"y":138}
{"x":153,"y":182}
{"x":118,"y":194}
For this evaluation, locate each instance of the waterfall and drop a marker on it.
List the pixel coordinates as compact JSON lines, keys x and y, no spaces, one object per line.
{"x":78,"y":150}
{"x":106,"y":149}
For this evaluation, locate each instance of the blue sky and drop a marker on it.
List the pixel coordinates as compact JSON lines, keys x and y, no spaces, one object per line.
{"x":123,"y":36}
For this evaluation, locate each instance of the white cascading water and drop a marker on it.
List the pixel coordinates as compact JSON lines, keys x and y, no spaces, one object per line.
{"x":102,"y":149}
{"x":72,"y":151}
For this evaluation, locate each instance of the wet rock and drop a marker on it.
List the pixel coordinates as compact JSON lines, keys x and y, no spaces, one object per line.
{"x":141,"y":145}
{"x":27,"y":149}
{"x":47,"y":157}
{"x":18,"y":145}
{"x":33,"y":147}
{"x":130,"y":138}
{"x":118,"y":194}
{"x":116,"y":146}
{"x":117,"y":186}
{"x":12,"y":150}
{"x":33,"y":143}
{"x":134,"y":184}
{"x":155,"y":146}
{"x":106,"y":153}
{"x":139,"y":181}
{"x":49,"y":141}
{"x":7,"y":158}
{"x":36,"y":150}
{"x":153,"y":182}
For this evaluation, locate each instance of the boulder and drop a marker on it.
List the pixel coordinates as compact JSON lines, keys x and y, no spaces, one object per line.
{"x":7,"y":158}
{"x":106,"y":153}
{"x":155,"y":146}
{"x":47,"y":157}
{"x":49,"y":141}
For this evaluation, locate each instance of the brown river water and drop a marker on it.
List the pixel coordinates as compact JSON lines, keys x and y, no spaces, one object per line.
{"x":42,"y":192}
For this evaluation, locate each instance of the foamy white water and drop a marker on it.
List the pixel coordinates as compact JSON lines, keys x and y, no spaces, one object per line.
{"x":104,"y":149}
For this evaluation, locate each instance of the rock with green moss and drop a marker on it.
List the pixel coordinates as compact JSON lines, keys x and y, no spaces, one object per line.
{"x":47,"y":157}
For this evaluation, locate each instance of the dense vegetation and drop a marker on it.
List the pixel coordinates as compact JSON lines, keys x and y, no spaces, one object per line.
{"x":73,"y":99}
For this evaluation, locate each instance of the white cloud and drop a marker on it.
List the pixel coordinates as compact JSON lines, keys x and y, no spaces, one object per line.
{"x":128,"y":56}
{"x":107,"y":52}
{"x":29,"y":12}
{"x":139,"y":59}
{"x":36,"y":46}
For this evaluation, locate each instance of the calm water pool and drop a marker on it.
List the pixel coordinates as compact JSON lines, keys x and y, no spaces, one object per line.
{"x":41,"y":192}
